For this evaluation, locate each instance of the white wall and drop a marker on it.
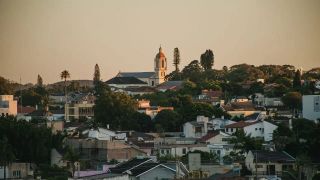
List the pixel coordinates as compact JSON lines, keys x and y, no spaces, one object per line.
{"x":311,"y":107}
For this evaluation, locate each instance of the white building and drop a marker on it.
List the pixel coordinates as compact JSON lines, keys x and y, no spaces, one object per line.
{"x":311,"y":107}
{"x":219,"y":123}
{"x":257,"y":129}
{"x":151,"y":78}
{"x":8,"y":106}
{"x":197,"y":129}
{"x":178,"y":150}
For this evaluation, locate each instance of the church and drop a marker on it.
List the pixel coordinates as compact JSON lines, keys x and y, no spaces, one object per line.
{"x":151,"y":78}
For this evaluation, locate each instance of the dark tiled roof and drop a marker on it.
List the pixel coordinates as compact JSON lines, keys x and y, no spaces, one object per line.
{"x":132,"y":163}
{"x":253,"y":116}
{"x":172,"y":85}
{"x":241,"y":124}
{"x":125,"y":80}
{"x":136,"y":74}
{"x":143,"y":168}
{"x":209,"y":136}
{"x":140,"y":89}
{"x":26,"y":110}
{"x":271,"y":156}
{"x":39,"y":113}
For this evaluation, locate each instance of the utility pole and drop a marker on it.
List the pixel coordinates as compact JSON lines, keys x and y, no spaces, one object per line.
{"x":20,"y":96}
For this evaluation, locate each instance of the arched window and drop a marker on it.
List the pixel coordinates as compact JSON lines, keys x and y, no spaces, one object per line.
{"x":162,"y":63}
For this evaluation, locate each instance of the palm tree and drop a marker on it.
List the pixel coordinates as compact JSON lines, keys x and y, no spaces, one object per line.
{"x":176,"y":59}
{"x":65,"y":75}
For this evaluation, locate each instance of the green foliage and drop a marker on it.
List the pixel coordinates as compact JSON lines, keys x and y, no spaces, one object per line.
{"x":36,"y":141}
{"x":176,"y":59}
{"x":35,"y":96}
{"x":96,"y":75}
{"x":206,"y":157}
{"x":297,"y":81}
{"x":113,"y":109}
{"x":243,"y":143}
{"x":5,"y":86}
{"x":292,"y":100}
{"x":52,"y":172}
{"x":192,"y":71}
{"x":168,"y":121}
{"x":206,"y":59}
{"x":233,"y":157}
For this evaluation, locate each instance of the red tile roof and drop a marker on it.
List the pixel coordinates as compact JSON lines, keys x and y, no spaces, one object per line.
{"x":25,"y":110}
{"x":209,"y":136}
{"x":241,"y":124}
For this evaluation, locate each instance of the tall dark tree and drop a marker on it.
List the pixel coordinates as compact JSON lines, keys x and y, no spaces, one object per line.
{"x":7,"y":155}
{"x":65,"y":75}
{"x":192,"y":71}
{"x":293,"y":100}
{"x":176,"y":59}
{"x":297,"y":80}
{"x":207,"y":59}
{"x":39,"y":80}
{"x":5,"y":86}
{"x":96,"y":75}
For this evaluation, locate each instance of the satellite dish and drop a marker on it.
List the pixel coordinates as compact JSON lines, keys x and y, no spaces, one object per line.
{"x":317,"y":84}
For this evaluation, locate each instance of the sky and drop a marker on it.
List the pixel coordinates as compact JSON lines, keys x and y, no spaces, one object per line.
{"x":47,"y":36}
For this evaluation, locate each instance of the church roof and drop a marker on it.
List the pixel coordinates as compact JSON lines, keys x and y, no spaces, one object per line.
{"x":136,"y":74}
{"x":125,"y":80}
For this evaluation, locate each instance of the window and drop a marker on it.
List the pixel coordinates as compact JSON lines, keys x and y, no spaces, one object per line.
{"x":231,"y":129}
{"x":162,"y":151}
{"x":258,"y":166}
{"x":260,"y":129}
{"x":184,"y":151}
{"x":16,"y":173}
{"x":256,"y":129}
{"x":162,"y":63}
{"x":152,"y":83}
{"x":227,"y":129}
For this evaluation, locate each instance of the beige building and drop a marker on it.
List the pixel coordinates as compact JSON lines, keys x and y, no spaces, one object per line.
{"x":80,"y":107}
{"x":8,"y":106}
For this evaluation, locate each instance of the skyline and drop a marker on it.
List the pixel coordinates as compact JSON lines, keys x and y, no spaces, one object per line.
{"x":125,"y":35}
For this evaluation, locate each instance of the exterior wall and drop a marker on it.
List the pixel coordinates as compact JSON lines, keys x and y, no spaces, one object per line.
{"x":221,"y":150}
{"x":17,"y":171}
{"x":159,"y":172}
{"x":181,"y":150}
{"x":311,"y":107}
{"x":188,"y":130}
{"x":219,"y":139}
{"x":243,"y":113}
{"x":8,"y":106}
{"x":56,"y":159}
{"x":268,"y":130}
{"x":255,"y":130}
{"x":126,"y":85}
{"x":55,"y":126}
{"x":72,"y":111}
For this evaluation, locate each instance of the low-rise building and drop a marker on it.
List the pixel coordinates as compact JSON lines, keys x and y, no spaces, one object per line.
{"x":152,"y":111}
{"x":269,"y":163}
{"x":311,"y":107}
{"x":8,"y":106}
{"x":256,"y":129}
{"x":80,"y":106}
{"x":178,"y":150}
{"x":18,"y":170}
{"x":198,"y":128}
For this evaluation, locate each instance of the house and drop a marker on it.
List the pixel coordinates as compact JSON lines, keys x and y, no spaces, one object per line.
{"x":125,"y":82}
{"x":24,"y":110}
{"x":239,"y":108}
{"x":170,"y":85}
{"x":256,"y":129}
{"x":219,"y":123}
{"x":256,"y":116}
{"x":211,"y":96}
{"x":18,"y":170}
{"x":151,"y":78}
{"x":56,"y":126}
{"x":99,"y":133}
{"x":145,"y":168}
{"x":240,"y":99}
{"x":218,"y":143}
{"x":152,"y":111}
{"x":8,"y":106}
{"x":80,"y":107}
{"x":311,"y":107}
{"x":269,"y":163}
{"x":198,"y":128}
{"x":122,"y":151}
{"x":178,"y":150}
{"x":39,"y":114}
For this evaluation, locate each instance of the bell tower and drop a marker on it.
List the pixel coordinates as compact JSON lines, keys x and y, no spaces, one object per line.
{"x":160,"y":67}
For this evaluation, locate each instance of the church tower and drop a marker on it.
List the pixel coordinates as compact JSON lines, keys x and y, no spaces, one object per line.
{"x":160,"y":67}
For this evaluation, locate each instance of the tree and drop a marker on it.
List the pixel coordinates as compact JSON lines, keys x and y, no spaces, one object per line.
{"x":39,"y":81}
{"x":297,"y":80}
{"x":176,"y":59}
{"x":7,"y":155}
{"x":113,"y":109}
{"x":96,"y":75}
{"x":192,"y":71}
{"x":168,"y":120}
{"x":65,"y":75}
{"x":207,"y":59}
{"x":5,"y":86}
{"x":293,"y":100}
{"x":71,"y":157}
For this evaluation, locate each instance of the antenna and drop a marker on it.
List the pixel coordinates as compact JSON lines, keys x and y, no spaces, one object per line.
{"x":20,"y":96}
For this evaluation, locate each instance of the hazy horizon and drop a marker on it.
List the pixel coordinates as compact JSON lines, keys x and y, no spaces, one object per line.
{"x":45,"y":37}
